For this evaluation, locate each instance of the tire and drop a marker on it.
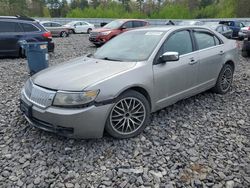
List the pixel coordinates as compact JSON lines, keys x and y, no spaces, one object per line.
{"x":71,"y":31}
{"x":128,"y":116}
{"x":22,"y":53}
{"x":89,"y":29}
{"x":224,"y":80}
{"x":63,"y":34}
{"x":244,"y":53}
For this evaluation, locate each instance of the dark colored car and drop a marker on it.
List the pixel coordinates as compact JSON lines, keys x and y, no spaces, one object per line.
{"x":114,"y":28}
{"x":14,"y":29}
{"x":222,"y":29}
{"x":246,"y":48}
{"x":234,"y":25}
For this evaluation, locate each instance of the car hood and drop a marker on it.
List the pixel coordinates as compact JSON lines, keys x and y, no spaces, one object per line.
{"x":79,"y":73}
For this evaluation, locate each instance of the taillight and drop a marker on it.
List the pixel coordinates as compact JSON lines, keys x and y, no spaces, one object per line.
{"x":248,"y":28}
{"x":47,"y":35}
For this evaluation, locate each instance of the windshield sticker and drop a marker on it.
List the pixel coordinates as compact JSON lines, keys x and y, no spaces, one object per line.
{"x":153,"y":33}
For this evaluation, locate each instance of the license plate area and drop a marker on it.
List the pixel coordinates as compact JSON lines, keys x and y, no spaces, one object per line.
{"x":26,"y":109}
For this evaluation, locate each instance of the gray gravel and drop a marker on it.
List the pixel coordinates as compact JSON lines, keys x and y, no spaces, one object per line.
{"x":202,"y":141}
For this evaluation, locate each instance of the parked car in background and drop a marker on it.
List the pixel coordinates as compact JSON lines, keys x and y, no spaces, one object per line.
{"x":15,"y":29}
{"x":191,"y":22}
{"x":80,"y":27}
{"x":221,"y":28}
{"x":245,"y":52}
{"x":246,"y":30}
{"x":235,"y":26}
{"x":56,"y":29}
{"x":102,"y":35}
{"x":134,"y":74}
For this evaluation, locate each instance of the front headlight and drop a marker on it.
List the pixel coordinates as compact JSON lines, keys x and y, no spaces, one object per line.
{"x":74,"y":99}
{"x":105,"y":33}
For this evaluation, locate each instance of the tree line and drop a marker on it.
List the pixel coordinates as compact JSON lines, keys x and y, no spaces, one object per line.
{"x":161,"y":9}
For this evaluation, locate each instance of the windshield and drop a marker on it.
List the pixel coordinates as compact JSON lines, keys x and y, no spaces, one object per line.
{"x":114,"y":24}
{"x":130,"y":46}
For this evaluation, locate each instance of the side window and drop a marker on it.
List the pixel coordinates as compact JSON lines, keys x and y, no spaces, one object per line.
{"x":204,"y":39}
{"x":237,"y":24}
{"x":46,"y":24}
{"x":55,"y":25}
{"x":29,"y":27}
{"x":217,"y":41}
{"x":128,"y":24}
{"x":78,"y":24}
{"x":179,"y":42}
{"x":83,"y":23}
{"x":219,"y":29}
{"x":242,"y":25}
{"x":225,"y":28}
{"x":137,"y":24}
{"x":9,"y":27}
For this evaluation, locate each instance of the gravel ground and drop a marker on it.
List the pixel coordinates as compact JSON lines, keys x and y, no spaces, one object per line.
{"x":202,"y":141}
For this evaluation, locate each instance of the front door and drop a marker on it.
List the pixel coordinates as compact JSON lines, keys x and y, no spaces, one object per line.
{"x":176,"y":80}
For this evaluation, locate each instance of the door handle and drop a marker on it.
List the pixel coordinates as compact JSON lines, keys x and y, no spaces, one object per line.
{"x":221,"y":52}
{"x":192,"y":61}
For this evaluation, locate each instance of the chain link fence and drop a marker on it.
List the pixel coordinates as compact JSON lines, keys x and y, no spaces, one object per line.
{"x":97,"y":21}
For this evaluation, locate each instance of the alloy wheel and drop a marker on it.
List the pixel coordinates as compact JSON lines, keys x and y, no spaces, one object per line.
{"x":128,"y":115}
{"x":226,"y":79}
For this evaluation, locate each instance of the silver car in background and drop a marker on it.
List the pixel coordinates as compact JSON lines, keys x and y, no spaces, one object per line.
{"x":80,"y":27}
{"x":134,"y":74}
{"x":56,"y":29}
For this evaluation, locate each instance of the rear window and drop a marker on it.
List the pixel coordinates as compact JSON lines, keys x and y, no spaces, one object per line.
{"x":29,"y":27}
{"x":9,"y":27}
{"x":204,"y":39}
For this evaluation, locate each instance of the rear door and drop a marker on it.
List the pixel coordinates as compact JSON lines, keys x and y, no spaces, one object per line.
{"x":177,"y":79}
{"x":10,"y":33}
{"x":56,"y":29}
{"x":211,"y":55}
{"x":78,"y":28}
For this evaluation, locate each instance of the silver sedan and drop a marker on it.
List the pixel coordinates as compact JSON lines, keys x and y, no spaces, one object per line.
{"x":133,"y":75}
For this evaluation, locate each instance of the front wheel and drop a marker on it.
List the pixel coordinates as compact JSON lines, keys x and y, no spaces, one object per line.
{"x":224,"y":80}
{"x":129,"y":115}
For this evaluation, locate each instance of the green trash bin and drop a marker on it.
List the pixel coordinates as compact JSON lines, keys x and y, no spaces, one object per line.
{"x":37,"y":55}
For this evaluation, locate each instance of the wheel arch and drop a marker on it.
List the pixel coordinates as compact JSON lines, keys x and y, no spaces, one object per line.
{"x":230,"y":62}
{"x":140,"y":90}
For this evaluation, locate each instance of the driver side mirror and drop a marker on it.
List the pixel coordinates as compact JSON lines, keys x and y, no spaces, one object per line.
{"x":168,"y":56}
{"x":123,"y":27}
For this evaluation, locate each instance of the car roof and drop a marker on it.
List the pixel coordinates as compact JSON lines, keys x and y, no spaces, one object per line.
{"x":125,"y":20}
{"x":23,"y":18}
{"x":49,"y":22}
{"x":171,"y":27}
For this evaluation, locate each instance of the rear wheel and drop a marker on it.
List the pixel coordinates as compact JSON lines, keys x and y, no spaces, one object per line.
{"x":89,"y":30}
{"x":129,"y":115}
{"x":63,"y":34}
{"x":245,"y":53}
{"x":224,"y":80}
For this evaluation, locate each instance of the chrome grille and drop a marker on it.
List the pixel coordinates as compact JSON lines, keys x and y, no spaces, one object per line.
{"x":93,"y":34}
{"x":38,"y":95}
